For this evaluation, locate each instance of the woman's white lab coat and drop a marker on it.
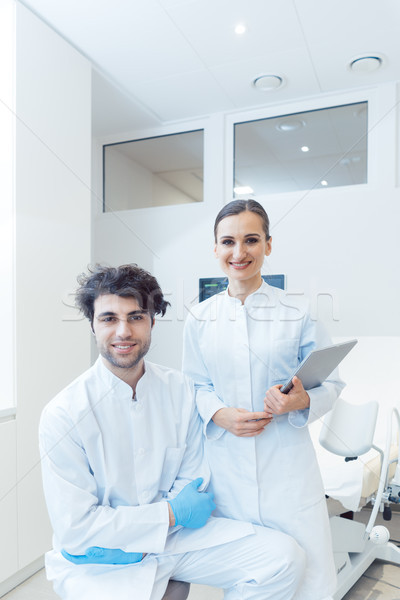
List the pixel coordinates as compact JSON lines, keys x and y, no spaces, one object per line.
{"x":235,"y":353}
{"x":109,"y":463}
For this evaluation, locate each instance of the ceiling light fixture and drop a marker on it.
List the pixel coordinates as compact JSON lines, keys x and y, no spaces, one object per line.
{"x":240,"y":29}
{"x":243,"y":189}
{"x":365,"y":64}
{"x":305,"y":149}
{"x":267,"y":83}
{"x":290,"y":125}
{"x":324,"y":182}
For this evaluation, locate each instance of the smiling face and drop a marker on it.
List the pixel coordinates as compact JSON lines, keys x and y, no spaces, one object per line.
{"x":240,"y":247}
{"x":123,"y":333}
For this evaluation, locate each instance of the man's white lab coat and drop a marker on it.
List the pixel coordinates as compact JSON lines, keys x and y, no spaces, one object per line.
{"x":109,"y":462}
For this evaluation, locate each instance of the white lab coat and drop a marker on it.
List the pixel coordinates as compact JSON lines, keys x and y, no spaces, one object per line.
{"x":234,"y":353}
{"x":109,"y":462}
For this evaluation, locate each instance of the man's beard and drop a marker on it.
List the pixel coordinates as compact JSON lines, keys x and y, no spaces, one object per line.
{"x":122,"y":362}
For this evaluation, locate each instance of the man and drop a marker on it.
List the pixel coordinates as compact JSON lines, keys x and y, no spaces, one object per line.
{"x":124,"y":474}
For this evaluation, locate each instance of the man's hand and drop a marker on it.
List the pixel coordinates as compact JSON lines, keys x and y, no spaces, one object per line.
{"x":276,"y":403}
{"x":104,"y":556}
{"x":241,"y":422}
{"x":192,"y":508}
{"x":171,"y":516}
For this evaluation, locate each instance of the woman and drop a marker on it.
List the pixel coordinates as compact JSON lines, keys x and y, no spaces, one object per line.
{"x":239,"y":347}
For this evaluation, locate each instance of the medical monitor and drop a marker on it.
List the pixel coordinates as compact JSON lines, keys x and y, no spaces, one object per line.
{"x":208,"y":286}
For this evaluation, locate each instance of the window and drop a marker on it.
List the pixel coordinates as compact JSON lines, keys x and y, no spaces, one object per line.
{"x":155,"y":171}
{"x":301,"y":151}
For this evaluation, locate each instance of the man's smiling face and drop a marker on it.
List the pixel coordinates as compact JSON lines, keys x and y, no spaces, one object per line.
{"x":122,"y":329}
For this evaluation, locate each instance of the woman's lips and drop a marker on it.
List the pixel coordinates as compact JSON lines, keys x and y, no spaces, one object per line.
{"x":241,"y":265}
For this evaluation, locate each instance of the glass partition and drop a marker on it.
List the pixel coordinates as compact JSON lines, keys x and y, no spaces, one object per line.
{"x":155,"y":171}
{"x":301,"y":151}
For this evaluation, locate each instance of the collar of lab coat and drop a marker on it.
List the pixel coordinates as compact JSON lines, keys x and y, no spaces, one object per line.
{"x":115,"y":382}
{"x":251,"y":298}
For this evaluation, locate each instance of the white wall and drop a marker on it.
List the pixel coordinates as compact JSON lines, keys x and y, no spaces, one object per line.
{"x":7,"y":229}
{"x":52,"y":205}
{"x":340,"y":246}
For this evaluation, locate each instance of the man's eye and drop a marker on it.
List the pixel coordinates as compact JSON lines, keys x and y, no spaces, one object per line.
{"x":135,"y":318}
{"x":108,"y":319}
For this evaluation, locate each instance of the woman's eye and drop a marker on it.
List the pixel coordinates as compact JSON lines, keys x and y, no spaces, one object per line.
{"x":227,"y":242}
{"x":252,"y":240}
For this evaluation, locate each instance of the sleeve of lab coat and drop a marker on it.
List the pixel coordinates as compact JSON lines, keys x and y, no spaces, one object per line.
{"x":78,"y":521}
{"x":323,"y":397}
{"x":193,"y":365}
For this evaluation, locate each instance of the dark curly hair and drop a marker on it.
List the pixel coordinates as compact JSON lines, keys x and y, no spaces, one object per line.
{"x":238,"y":206}
{"x":127,"y":281}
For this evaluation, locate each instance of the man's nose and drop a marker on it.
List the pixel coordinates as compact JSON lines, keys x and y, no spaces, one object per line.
{"x":123,"y":329}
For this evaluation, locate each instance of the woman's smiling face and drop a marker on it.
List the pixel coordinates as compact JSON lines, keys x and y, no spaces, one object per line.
{"x":241,"y":247}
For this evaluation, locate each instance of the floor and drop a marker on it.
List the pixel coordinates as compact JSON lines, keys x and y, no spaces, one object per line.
{"x":380,"y":582}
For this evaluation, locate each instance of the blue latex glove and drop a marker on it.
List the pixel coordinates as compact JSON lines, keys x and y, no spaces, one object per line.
{"x":192,"y":508}
{"x":103,"y":556}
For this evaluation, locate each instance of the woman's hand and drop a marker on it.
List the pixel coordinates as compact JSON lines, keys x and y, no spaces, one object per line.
{"x":241,"y":422}
{"x":276,"y":403}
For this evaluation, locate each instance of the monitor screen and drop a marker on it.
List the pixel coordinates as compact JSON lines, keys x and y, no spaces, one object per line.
{"x":208,"y":286}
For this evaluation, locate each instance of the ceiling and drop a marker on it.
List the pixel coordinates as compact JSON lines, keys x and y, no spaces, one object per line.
{"x":157,"y":61}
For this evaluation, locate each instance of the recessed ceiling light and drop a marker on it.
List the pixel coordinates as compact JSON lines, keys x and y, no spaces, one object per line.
{"x":290,"y":125}
{"x":240,"y":29}
{"x":243,"y":189}
{"x":366,"y":64}
{"x":324,"y":182}
{"x":305,"y":149}
{"x":267,"y":83}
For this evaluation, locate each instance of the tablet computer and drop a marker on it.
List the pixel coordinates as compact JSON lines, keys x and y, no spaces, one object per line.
{"x":318,"y":365}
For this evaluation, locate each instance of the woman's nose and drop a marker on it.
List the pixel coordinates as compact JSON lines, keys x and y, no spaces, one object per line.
{"x":238,"y":251}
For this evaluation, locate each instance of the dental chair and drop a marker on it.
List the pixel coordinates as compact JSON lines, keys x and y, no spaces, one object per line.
{"x":348,"y":432}
{"x":177,"y":590}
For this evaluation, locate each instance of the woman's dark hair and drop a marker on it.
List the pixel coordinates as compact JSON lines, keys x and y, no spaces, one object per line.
{"x":127,"y":281}
{"x":238,"y":206}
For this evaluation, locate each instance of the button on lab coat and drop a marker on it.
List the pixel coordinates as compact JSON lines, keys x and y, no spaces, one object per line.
{"x":109,"y":463}
{"x":235,"y":353}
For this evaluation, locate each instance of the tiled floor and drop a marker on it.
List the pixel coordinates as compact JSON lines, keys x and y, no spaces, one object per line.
{"x":380,"y":582}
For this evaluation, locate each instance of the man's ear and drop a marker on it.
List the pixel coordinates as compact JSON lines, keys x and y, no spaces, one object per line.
{"x":152,"y":322}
